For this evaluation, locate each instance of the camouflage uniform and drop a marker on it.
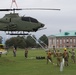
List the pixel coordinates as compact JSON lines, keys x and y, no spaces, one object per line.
{"x":59,"y":57}
{"x":73,"y":55}
{"x":66,"y":56}
{"x":49,"y":58}
{"x":26,"y":52}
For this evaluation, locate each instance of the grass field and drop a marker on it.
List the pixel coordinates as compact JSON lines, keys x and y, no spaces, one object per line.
{"x":19,"y":65}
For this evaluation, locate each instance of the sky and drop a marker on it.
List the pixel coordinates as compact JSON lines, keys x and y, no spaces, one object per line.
{"x":65,"y":19}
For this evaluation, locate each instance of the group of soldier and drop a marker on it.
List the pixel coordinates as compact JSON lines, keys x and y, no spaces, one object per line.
{"x":54,"y":53}
{"x":15,"y":49}
{"x":60,"y":55}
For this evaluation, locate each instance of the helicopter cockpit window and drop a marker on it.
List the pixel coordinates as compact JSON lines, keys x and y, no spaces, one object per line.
{"x":25,"y":19}
{"x":33,"y":20}
{"x":29,"y":19}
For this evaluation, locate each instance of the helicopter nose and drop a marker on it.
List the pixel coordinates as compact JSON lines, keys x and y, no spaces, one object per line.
{"x":42,"y":25}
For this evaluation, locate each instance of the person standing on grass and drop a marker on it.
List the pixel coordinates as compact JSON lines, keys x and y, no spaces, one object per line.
{"x":26,"y":52}
{"x":0,"y":54}
{"x":72,"y":55}
{"x":14,"y":51}
{"x":54,"y":51}
{"x":6,"y":48}
{"x":65,"y":56}
{"x":49,"y":56}
{"x":59,"y":57}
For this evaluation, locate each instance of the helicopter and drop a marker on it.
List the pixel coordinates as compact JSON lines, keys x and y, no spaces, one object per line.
{"x":12,"y":22}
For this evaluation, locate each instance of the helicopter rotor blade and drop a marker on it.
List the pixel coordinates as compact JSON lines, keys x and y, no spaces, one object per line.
{"x":4,"y":10}
{"x":39,"y":9}
{"x":9,"y":9}
{"x":28,"y":9}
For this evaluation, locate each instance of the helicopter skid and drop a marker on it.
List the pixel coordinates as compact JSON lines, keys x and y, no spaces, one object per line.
{"x":16,"y":33}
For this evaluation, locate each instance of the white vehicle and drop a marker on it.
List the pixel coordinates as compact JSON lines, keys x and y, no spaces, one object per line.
{"x":2,"y":49}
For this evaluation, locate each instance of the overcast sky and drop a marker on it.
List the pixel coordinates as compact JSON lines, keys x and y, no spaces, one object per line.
{"x":65,"y":19}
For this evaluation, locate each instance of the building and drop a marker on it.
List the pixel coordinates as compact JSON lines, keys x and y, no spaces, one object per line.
{"x":63,"y":39}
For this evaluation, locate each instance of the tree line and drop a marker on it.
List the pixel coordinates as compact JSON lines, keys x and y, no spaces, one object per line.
{"x":28,"y":42}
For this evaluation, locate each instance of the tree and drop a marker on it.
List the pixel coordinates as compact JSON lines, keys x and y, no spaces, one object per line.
{"x":30,"y":42}
{"x":21,"y":42}
{"x":44,"y":40}
{"x":17,"y":41}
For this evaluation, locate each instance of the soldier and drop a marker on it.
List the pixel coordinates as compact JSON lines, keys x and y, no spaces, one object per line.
{"x":0,"y":54}
{"x":54,"y":51}
{"x":73,"y":55}
{"x":26,"y":52}
{"x":14,"y":52}
{"x":59,"y":57}
{"x":49,"y":57}
{"x":65,"y":56}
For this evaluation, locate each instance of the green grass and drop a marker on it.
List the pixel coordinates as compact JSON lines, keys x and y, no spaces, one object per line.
{"x":19,"y":65}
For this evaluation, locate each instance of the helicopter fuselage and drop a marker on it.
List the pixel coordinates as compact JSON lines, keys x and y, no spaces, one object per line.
{"x":12,"y":22}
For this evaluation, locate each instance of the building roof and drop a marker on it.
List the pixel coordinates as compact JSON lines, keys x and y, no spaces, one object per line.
{"x":68,"y":33}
